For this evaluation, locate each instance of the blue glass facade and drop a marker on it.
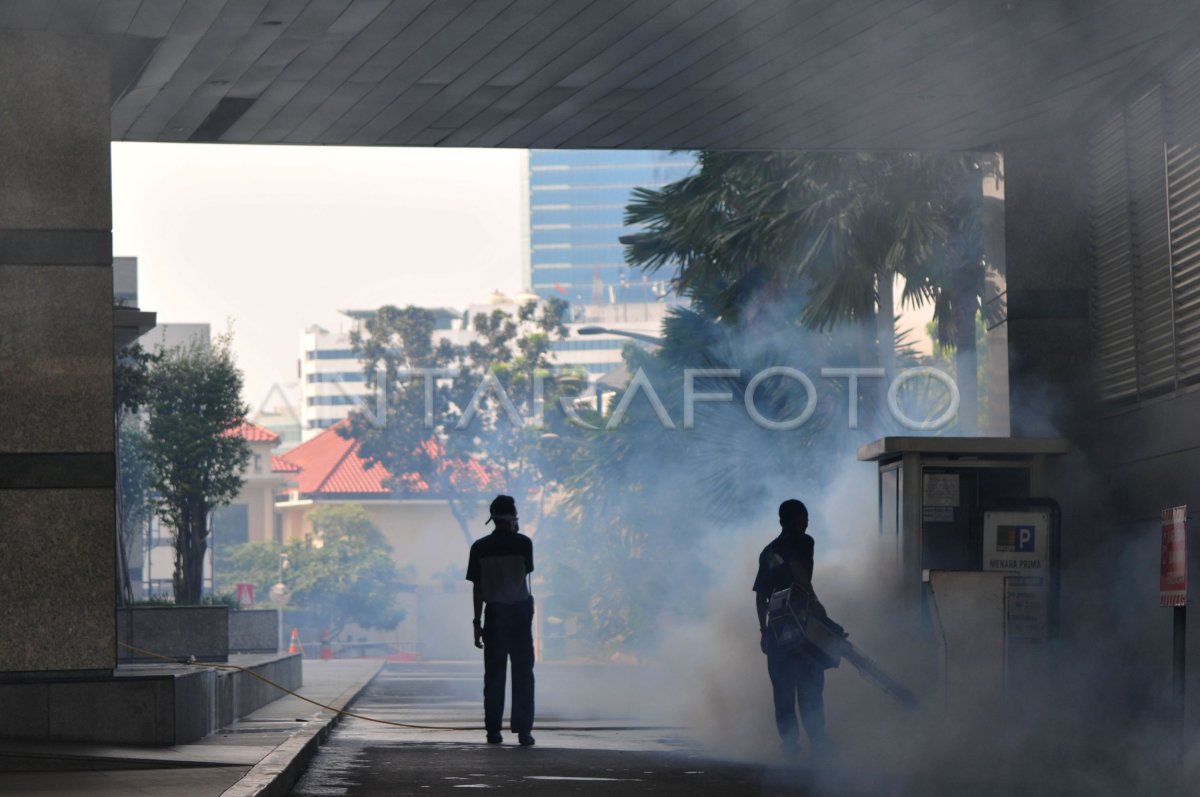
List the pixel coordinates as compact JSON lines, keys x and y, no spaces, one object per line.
{"x":577,"y":203}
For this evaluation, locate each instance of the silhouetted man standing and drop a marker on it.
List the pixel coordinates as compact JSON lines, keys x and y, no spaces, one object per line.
{"x":498,"y":566}
{"x":786,"y":562}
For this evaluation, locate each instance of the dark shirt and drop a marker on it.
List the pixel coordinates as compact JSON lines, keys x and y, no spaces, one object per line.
{"x":498,"y":563}
{"x":774,"y":563}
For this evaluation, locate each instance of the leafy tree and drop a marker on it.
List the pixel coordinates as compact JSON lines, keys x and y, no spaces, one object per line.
{"x":134,"y":506}
{"x":396,"y":347}
{"x":516,"y":353}
{"x":131,"y":380}
{"x":197,"y":459}
{"x":468,"y":436}
{"x":345,"y":573}
{"x":257,"y":563}
{"x":342,"y":573}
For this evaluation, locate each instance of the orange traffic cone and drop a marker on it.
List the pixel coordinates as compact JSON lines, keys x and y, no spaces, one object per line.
{"x":294,"y":647}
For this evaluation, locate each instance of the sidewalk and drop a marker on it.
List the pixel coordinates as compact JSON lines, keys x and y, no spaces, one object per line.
{"x":260,"y":755}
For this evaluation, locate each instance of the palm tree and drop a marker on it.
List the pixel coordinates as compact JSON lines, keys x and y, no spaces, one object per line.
{"x":954,"y":272}
{"x":749,"y":229}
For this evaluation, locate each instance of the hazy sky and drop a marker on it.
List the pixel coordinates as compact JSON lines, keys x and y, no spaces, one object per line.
{"x":276,"y":238}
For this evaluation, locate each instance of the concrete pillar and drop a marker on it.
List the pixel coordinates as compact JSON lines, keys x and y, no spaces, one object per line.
{"x":57,"y":526}
{"x":1048,"y":268}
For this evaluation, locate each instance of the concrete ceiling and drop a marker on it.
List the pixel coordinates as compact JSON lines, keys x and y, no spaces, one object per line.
{"x":686,"y":74}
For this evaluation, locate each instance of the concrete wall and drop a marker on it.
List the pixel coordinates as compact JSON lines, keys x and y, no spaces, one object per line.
{"x":174,"y":631}
{"x":1152,"y":456}
{"x":1048,"y":270}
{"x":259,"y":497}
{"x":1127,"y":464}
{"x":142,"y":707}
{"x":57,"y":550}
{"x":423,"y":534}
{"x":241,"y":694}
{"x":254,"y":631}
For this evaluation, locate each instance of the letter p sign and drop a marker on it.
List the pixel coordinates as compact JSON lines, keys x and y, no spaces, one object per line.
{"x":1026,"y":540}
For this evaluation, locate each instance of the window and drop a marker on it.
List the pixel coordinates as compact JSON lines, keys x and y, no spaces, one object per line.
{"x":231,"y":525}
{"x":599,"y":368}
{"x":335,"y":401}
{"x":587,"y":345}
{"x":338,"y":376}
{"x":331,"y":354}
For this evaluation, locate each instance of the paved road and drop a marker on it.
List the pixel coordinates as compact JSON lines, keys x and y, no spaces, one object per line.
{"x":573,"y":755}
{"x":588,"y":746}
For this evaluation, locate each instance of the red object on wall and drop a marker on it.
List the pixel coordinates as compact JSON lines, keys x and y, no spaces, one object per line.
{"x":1172,"y":581}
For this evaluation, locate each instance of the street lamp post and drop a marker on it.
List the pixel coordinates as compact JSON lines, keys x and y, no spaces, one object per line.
{"x":598,"y":330}
{"x":279,"y":596}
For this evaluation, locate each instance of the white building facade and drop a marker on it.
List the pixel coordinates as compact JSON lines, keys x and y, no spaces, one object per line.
{"x":332,"y":381}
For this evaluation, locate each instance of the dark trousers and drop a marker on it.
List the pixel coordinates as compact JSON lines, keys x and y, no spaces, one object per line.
{"x":796,"y":679}
{"x":508,"y":634}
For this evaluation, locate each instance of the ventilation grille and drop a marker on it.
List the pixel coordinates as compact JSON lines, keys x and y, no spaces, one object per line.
{"x":1145,"y":232}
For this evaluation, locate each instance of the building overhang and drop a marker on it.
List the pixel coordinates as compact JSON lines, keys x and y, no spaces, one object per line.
{"x":817,"y":74}
{"x":129,"y":324}
{"x":887,"y":449}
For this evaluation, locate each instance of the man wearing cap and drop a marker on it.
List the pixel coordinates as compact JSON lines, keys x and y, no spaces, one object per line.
{"x":498,"y":566}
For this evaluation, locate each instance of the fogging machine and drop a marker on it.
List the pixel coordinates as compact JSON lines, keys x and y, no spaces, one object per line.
{"x":798,"y":630}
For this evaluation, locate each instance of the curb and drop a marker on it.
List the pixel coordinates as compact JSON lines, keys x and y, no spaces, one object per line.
{"x":279,"y":770}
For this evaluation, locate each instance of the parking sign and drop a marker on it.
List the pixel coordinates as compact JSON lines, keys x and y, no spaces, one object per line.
{"x":1017,"y":542}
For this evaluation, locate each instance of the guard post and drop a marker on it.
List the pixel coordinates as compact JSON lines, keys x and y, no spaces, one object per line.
{"x":975,"y":539}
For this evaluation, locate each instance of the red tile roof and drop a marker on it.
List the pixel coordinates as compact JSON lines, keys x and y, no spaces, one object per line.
{"x":281,"y":465}
{"x":254,"y":433}
{"x":353,"y":476}
{"x":320,"y":458}
{"x":330,"y":464}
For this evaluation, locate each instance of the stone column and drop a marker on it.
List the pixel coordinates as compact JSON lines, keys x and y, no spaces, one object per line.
{"x":1048,"y":269}
{"x":57,"y":525}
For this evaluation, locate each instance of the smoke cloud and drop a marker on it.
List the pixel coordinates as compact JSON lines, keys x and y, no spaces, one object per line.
{"x":1088,"y":714}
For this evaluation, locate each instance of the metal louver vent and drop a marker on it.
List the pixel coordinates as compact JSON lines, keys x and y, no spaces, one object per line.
{"x":1154,"y":329}
{"x":1183,"y":201}
{"x":1112,"y":286}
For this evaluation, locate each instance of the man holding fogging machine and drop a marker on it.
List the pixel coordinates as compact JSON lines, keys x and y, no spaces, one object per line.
{"x":787,"y":562}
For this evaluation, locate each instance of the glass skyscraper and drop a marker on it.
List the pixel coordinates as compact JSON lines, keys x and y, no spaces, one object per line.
{"x":577,"y":202}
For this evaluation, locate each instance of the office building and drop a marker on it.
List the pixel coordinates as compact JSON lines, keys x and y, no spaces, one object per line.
{"x":167,"y":336}
{"x":333,"y":383}
{"x":577,"y":202}
{"x":125,"y":281}
{"x":332,"y":379}
{"x":608,"y":329}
